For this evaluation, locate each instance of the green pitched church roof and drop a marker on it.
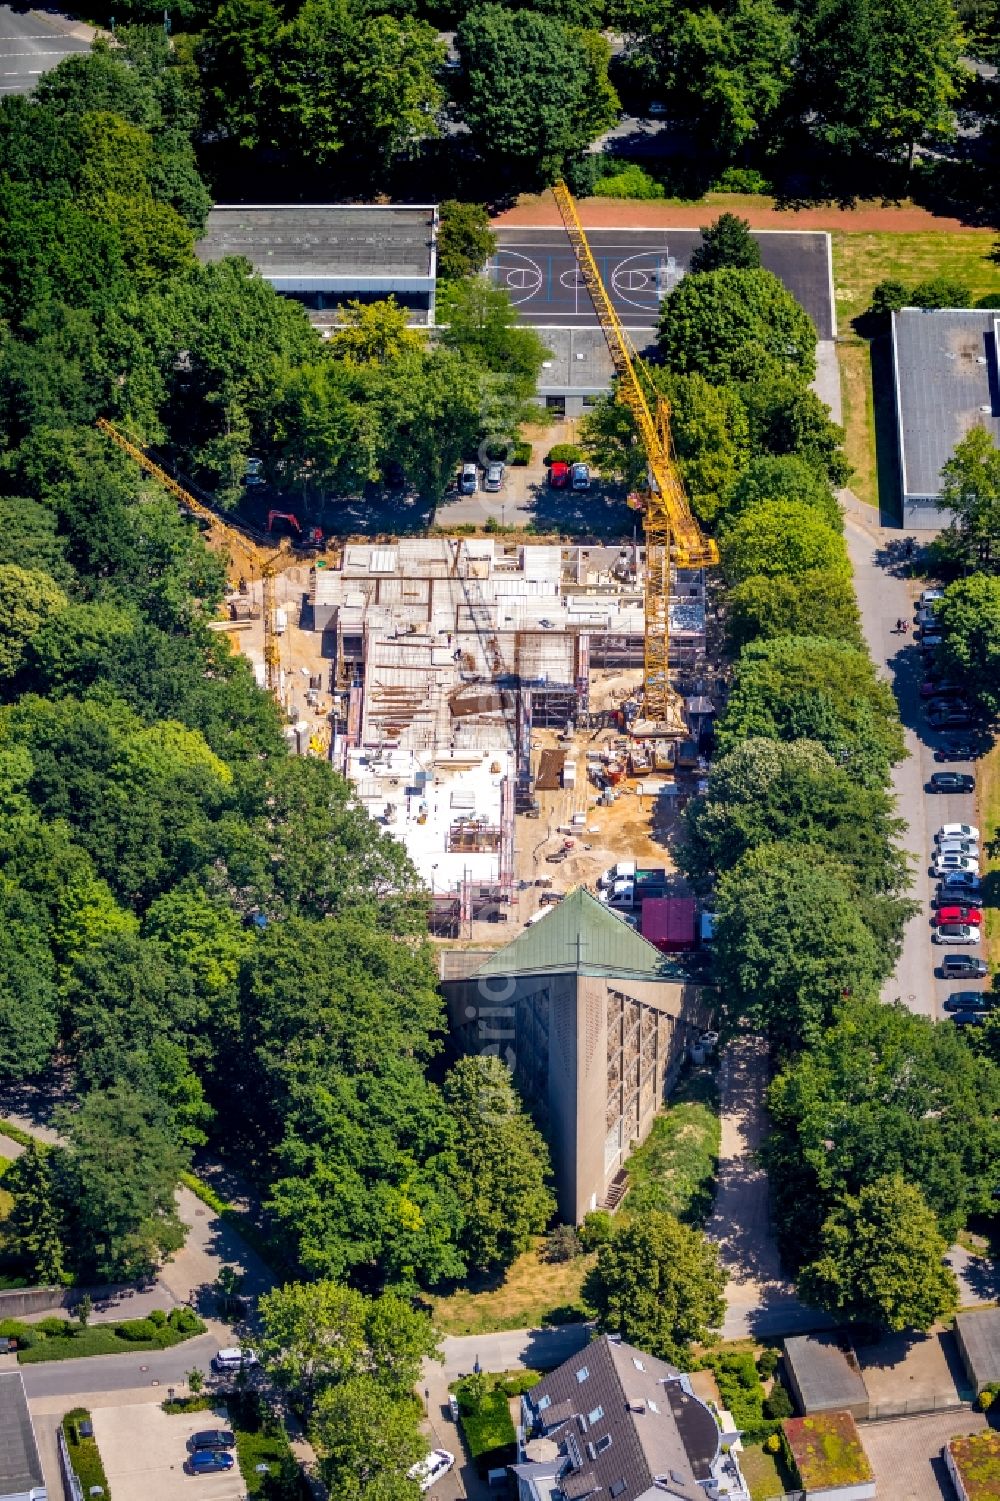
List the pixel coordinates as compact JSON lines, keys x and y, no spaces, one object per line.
{"x":580,"y":934}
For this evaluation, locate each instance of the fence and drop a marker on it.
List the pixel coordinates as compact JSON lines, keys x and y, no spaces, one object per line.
{"x":74,"y":1490}
{"x":913,"y":1405}
{"x":789,"y":1496}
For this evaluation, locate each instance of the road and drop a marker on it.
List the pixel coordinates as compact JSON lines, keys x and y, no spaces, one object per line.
{"x":31,"y":43}
{"x":118,"y":1373}
{"x":885,"y":592}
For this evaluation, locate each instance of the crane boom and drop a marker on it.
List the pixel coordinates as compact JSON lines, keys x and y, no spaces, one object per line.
{"x":254,"y":559}
{"x":669,"y":523}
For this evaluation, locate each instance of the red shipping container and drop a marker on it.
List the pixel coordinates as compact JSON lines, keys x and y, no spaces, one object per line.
{"x":671,"y":923}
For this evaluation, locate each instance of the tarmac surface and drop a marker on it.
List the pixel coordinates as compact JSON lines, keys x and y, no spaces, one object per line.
{"x":32,"y":43}
{"x":640,"y":267}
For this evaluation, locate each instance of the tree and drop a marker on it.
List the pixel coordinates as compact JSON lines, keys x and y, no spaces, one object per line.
{"x":711,"y":438}
{"x":969,"y":615}
{"x":34,"y":1228}
{"x":881,"y":1260}
{"x":313,"y":1335}
{"x":805,"y":687}
{"x":776,"y":538}
{"x":115,"y":1180}
{"x":482,"y":324}
{"x":374,"y":333}
{"x":535,"y":91}
{"x":503,"y":1163}
{"x":727,"y":241}
{"x":970,"y":489}
{"x":737,"y":326}
{"x":27,"y":600}
{"x":728,"y":71}
{"x":465,"y":240}
{"x":939,"y":292}
{"x":786,"y":477}
{"x":881,"y":76}
{"x":786,"y":418}
{"x":367,"y":1441}
{"x":820,"y":601}
{"x":790,"y":943}
{"x":882,"y":1092}
{"x":236,"y":60}
{"x":793,"y":794}
{"x":29,"y":999}
{"x":609,"y":438}
{"x":658,"y":1284}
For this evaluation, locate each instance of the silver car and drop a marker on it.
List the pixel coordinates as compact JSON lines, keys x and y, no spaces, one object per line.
{"x":493,"y":478}
{"x":956,"y":932}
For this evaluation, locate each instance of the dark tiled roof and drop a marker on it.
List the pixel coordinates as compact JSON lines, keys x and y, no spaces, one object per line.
{"x":20,"y":1469}
{"x":631,"y":1424}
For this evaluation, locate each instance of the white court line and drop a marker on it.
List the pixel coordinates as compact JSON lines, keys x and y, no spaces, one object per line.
{"x":23,"y":73}
{"x":55,"y":52}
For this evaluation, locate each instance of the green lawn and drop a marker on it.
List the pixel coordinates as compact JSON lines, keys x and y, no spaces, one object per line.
{"x":676,"y":1166}
{"x":43,"y":1341}
{"x":766,"y":1474}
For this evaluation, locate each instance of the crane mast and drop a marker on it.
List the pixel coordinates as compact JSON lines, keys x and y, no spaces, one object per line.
{"x":241,"y":548}
{"x":669,"y":524}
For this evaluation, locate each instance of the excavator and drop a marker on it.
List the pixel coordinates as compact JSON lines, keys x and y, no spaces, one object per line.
{"x":251,"y":557}
{"x":305,"y":539}
{"x":672,"y":532}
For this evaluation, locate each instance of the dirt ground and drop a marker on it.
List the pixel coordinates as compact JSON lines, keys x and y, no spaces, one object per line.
{"x":615,"y":213}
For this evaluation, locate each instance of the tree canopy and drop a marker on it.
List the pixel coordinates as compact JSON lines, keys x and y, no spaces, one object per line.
{"x":733,"y":325}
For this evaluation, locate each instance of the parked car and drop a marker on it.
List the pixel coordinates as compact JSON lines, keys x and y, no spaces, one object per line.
{"x":209,"y":1461}
{"x":949,"y":716}
{"x":235,"y":1358}
{"x":951,"y":781}
{"x":960,"y":881}
{"x":954,"y":913}
{"x":944,"y":865}
{"x":939,"y":688}
{"x":493,"y":478}
{"x":958,"y":847}
{"x":955,"y":749}
{"x":931,"y":596}
{"x":212,"y":1438}
{"x":956,"y":831}
{"x":930,"y":640}
{"x":429,"y":1471}
{"x":956,"y":932}
{"x":925,"y":616}
{"x":579,"y":477}
{"x":964,"y":967}
{"x":967,"y":1018}
{"x":468,"y":480}
{"x":968,"y":1000}
{"x":558,"y":475}
{"x":253,"y":473}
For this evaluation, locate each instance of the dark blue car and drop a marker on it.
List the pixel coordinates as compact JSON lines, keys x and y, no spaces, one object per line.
{"x":208,"y":1461}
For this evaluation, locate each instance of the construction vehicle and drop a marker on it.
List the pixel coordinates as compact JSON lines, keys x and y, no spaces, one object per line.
{"x":672,"y":533}
{"x":249,"y":556}
{"x":309,"y":538}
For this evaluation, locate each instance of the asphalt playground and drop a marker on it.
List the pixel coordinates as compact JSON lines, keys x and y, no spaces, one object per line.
{"x":639,"y":267}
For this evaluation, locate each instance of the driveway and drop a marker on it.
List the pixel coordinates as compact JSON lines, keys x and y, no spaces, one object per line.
{"x":885,"y":592}
{"x":906,"y":1454}
{"x":144,"y":1451}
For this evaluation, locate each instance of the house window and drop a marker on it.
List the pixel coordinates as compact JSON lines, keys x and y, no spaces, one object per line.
{"x":582,"y":1374}
{"x":638,"y":1363}
{"x":596,"y":1415}
{"x":543,"y":1403}
{"x":602,"y":1444}
{"x":616,"y":1488}
{"x":653,"y":1408}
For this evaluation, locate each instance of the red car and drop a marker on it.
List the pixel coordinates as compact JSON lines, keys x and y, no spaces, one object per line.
{"x":959,"y":914}
{"x":558,"y":475}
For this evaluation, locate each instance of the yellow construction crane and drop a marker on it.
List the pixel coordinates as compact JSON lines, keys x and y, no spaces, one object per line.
{"x":243,"y":551}
{"x":669,"y":523}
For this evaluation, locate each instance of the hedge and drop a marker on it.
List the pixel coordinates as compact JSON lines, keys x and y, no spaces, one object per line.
{"x":84,"y":1455}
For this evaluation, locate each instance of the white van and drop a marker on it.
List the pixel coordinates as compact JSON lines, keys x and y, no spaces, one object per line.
{"x":234,"y":1359}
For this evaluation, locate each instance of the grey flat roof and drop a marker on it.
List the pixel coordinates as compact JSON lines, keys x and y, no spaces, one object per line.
{"x":979,"y":1332}
{"x":356,"y":243}
{"x":578,"y":359}
{"x":20,"y":1468}
{"x":945,"y":365}
{"x":826,"y":1376}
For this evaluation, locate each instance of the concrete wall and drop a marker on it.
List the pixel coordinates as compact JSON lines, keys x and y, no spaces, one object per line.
{"x":863,"y":1492}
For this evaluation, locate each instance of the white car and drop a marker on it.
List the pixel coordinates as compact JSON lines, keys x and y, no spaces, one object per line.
{"x":931,"y":597}
{"x":958,"y":847}
{"x":429,"y":1471}
{"x":944,"y":864}
{"x":956,"y":932}
{"x":956,"y":831}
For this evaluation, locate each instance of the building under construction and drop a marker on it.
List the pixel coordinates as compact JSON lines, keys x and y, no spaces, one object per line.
{"x":446,"y":654}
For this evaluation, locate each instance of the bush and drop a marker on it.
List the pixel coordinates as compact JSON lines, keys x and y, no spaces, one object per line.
{"x":987,"y":1397}
{"x":53,"y":1327}
{"x":521,"y":453}
{"x":484,"y":1416}
{"x":564,"y":453}
{"x":742,"y":180}
{"x":778,"y":1404}
{"x":741,"y":1393}
{"x":773,"y":1443}
{"x":630,"y":181}
{"x":940,"y":292}
{"x":185,"y":1321}
{"x":596,"y":1229}
{"x":157,"y":1317}
{"x":84,"y":1455}
{"x":562,"y":1244}
{"x":136,"y":1329}
{"x":767,"y":1361}
{"x":516,"y":1383}
{"x":25,"y":1334}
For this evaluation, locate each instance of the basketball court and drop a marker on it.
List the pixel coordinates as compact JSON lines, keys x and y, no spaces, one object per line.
{"x":640,"y":267}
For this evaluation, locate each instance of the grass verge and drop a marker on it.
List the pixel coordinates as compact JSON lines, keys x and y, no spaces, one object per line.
{"x":23,"y":1138}
{"x":62,"y":1339}
{"x":533,"y":1292}
{"x":988,"y":819}
{"x":766,"y":1474}
{"x":675,"y":1168}
{"x":84,"y":1455}
{"x":484,"y":1415}
{"x":854,"y":358}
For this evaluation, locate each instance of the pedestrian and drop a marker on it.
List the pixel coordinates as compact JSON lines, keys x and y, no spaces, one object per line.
{"x":906,"y":626}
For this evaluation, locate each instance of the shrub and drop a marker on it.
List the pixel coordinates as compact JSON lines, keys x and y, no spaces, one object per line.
{"x":773,"y":1443}
{"x":767,"y":1361}
{"x":742,"y":1394}
{"x":25,"y":1334}
{"x":53,"y":1327}
{"x":940,"y":292}
{"x":562,"y":1244}
{"x":778,"y":1404}
{"x":85,"y":1457}
{"x":521,"y":453}
{"x":485,"y":1417}
{"x":564,"y":453}
{"x":596,"y":1229}
{"x":136,"y":1329}
{"x":630,"y":181}
{"x":516,"y":1383}
{"x":185,"y":1321}
{"x":741,"y":180}
{"x":987,"y":1397}
{"x":157,"y":1317}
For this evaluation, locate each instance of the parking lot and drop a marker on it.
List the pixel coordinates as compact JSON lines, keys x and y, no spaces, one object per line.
{"x":144,"y":1451}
